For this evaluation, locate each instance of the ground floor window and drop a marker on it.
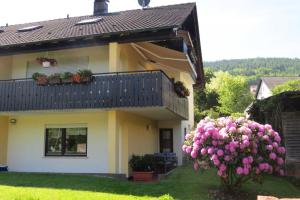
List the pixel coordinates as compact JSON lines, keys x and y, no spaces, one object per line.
{"x":66,"y":142}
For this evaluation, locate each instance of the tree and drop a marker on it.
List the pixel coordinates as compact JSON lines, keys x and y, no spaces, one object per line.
{"x":206,"y":101}
{"x":239,"y":149}
{"x":233,"y":91}
{"x":293,"y":85}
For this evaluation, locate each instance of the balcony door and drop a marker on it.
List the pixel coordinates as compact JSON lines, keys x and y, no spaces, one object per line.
{"x":166,"y":140}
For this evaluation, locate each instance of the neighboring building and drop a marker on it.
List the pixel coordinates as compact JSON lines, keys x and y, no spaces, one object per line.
{"x":282,"y":111}
{"x":129,"y":108}
{"x":266,"y":84}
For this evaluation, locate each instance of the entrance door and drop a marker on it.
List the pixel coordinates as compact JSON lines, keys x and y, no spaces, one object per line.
{"x":166,"y":140}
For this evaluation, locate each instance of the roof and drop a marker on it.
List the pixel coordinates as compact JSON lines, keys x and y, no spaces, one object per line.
{"x":272,"y":82}
{"x":139,"y":20}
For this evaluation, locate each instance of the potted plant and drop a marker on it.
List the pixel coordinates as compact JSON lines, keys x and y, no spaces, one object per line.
{"x":142,"y":167}
{"x":76,"y":78}
{"x":181,"y":90}
{"x":66,"y":77}
{"x":85,"y":75}
{"x":46,"y":62}
{"x":41,"y":79}
{"x":54,"y":79}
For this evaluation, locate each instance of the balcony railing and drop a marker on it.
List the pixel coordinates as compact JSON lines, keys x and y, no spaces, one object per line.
{"x":107,"y":90}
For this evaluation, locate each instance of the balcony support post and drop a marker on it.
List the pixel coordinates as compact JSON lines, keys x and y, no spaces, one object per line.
{"x":114,"y":57}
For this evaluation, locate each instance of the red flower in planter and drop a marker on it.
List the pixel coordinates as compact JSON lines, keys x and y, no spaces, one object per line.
{"x":77,"y":78}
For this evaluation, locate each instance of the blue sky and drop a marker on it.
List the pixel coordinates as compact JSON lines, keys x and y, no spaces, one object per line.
{"x":228,"y":28}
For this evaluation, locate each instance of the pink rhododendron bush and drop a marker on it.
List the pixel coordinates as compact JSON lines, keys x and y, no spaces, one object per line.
{"x":239,"y":149}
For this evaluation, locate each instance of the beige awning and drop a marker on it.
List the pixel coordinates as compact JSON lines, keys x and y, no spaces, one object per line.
{"x":168,"y":58}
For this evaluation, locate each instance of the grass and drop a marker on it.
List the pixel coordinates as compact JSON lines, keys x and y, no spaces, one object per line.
{"x":184,"y":183}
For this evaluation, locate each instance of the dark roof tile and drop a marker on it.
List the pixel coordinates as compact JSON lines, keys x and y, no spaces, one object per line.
{"x":112,"y":23}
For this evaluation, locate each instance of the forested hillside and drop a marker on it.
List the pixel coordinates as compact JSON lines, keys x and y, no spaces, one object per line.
{"x":254,"y":68}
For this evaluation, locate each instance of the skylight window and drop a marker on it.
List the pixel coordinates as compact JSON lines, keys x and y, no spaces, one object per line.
{"x":29,"y":28}
{"x":89,"y":21}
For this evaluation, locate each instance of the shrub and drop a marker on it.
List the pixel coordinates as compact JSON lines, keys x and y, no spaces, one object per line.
{"x":36,"y":75}
{"x":239,"y":149}
{"x":142,"y":163}
{"x":66,"y":75}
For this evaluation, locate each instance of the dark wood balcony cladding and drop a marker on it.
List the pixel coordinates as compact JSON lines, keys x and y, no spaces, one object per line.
{"x":108,"y":90}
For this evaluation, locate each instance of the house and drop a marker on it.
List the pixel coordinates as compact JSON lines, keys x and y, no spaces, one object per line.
{"x":266,"y":84}
{"x":130,"y":107}
{"x":282,"y":111}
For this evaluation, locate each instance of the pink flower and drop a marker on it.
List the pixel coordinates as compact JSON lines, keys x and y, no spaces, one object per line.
{"x":239,"y":171}
{"x":194,"y":154}
{"x":272,"y":156}
{"x":222,"y":167}
{"x":232,"y":130}
{"x":281,"y":150}
{"x":246,"y":171}
{"x":245,"y":161}
{"x":219,"y":173}
{"x":280,"y":161}
{"x":275,"y":144}
{"x":277,"y":139}
{"x":184,"y":147}
{"x":269,"y":147}
{"x":266,"y":138}
{"x":210,"y":150}
{"x":188,"y":149}
{"x":220,"y":152}
{"x":268,"y":127}
{"x":227,"y":158}
{"x":215,"y":143}
{"x":216,"y":162}
{"x":250,"y":159}
{"x":203,"y":151}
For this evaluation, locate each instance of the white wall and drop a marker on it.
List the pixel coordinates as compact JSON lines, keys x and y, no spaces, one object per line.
{"x":264,"y":91}
{"x":26,"y":144}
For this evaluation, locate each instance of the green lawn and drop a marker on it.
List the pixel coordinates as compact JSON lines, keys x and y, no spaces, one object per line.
{"x":184,"y":183}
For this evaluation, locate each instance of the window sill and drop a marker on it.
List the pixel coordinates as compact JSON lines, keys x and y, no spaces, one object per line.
{"x":65,"y":157}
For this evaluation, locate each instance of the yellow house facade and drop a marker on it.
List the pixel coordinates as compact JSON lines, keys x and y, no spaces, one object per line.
{"x":95,"y":128}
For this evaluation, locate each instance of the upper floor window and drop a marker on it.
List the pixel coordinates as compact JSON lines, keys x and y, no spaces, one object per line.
{"x":66,"y":142}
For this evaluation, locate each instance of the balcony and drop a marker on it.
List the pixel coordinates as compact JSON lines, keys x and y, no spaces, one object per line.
{"x":151,"y":89}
